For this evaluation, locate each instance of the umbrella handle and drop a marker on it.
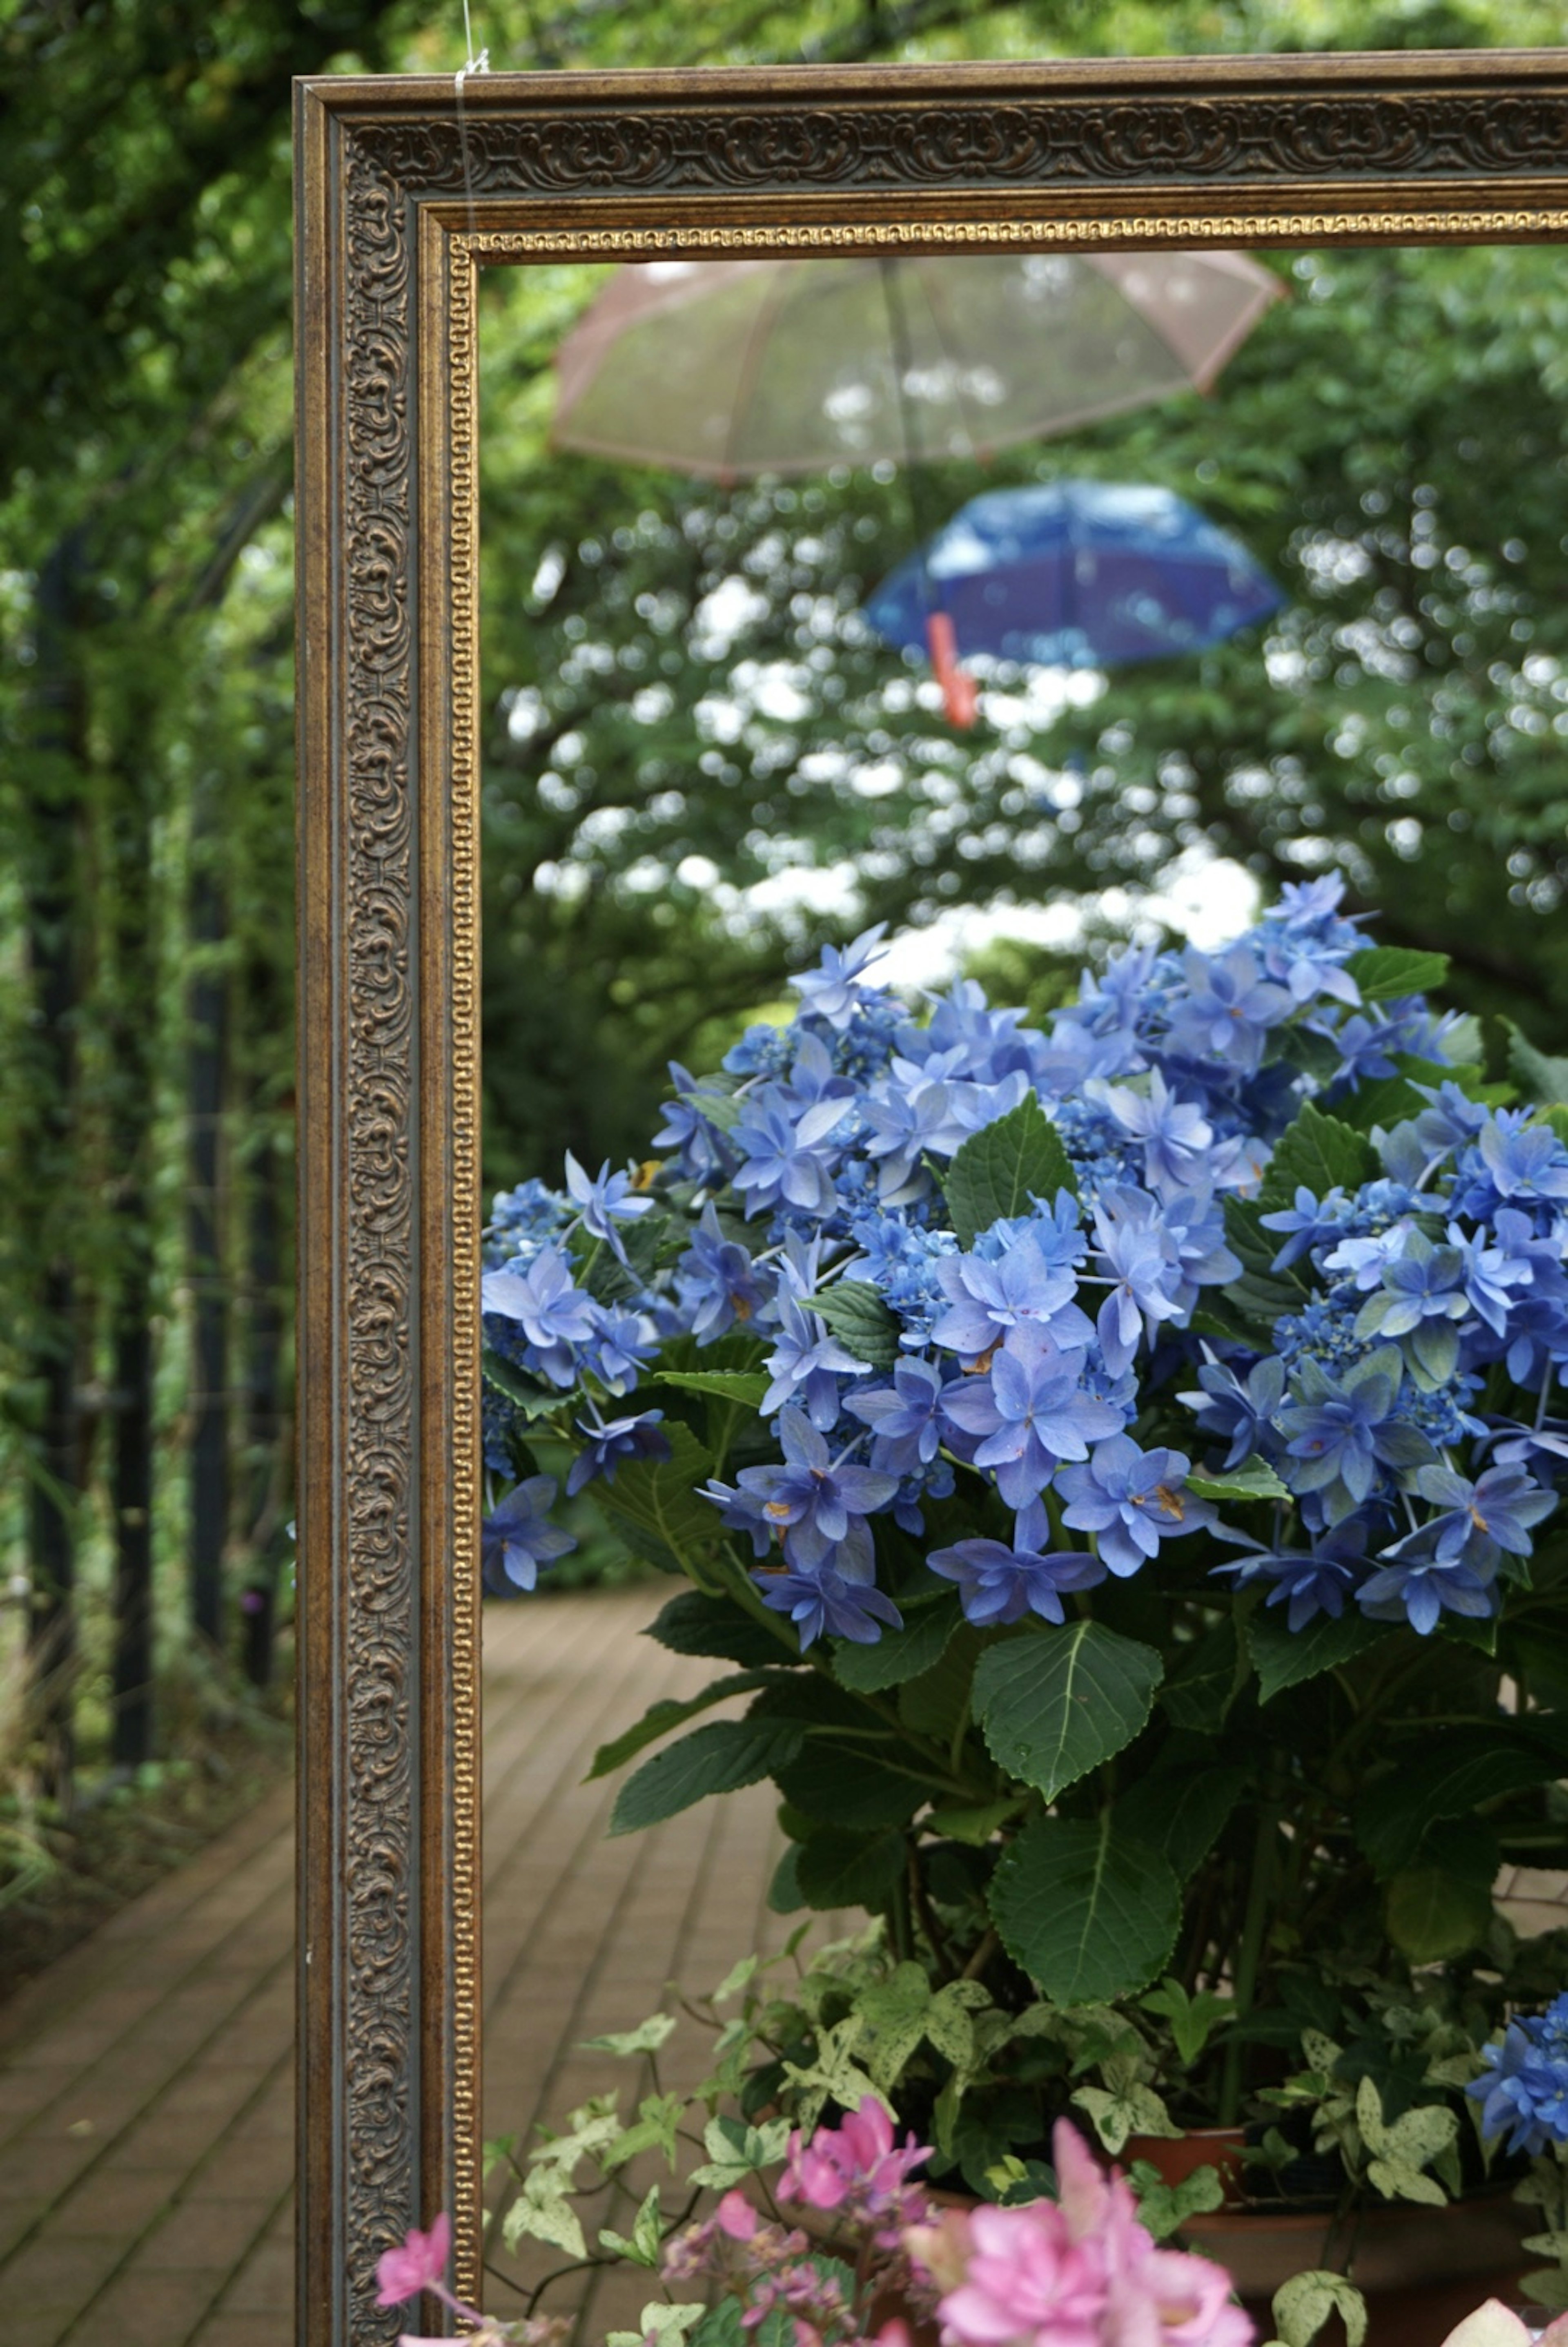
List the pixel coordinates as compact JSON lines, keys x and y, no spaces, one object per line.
{"x":960,"y":694}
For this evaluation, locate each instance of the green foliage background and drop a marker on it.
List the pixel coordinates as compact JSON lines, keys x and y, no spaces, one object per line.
{"x":1391,"y":442}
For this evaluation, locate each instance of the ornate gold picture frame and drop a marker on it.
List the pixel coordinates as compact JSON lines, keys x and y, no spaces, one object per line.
{"x":407,"y":186}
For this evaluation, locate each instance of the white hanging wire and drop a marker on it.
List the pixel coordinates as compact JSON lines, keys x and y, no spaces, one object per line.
{"x":472,"y":65}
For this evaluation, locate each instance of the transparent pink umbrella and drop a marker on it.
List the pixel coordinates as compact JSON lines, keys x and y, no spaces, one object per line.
{"x":730,"y":368}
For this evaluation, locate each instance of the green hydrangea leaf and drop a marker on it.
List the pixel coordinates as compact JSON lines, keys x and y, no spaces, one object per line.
{"x":1000,"y":1169}
{"x":1053,"y":1703}
{"x":1087,"y":1912}
{"x":1388,"y":973}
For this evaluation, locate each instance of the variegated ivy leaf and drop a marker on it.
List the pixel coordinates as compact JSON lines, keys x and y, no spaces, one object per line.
{"x":643,"y":2247}
{"x":949,"y":2029}
{"x":653,"y":2129}
{"x":834,"y":2073}
{"x":589,"y":2127}
{"x":645,"y":2038}
{"x":1398,"y":2181}
{"x":666,"y":2325}
{"x":542,"y":2211}
{"x":737,"y":1977}
{"x":1306,"y":2303}
{"x":735,"y":2150}
{"x":1125,"y":2105}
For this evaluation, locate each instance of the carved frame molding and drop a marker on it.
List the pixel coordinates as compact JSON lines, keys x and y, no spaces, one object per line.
{"x":405,"y":188}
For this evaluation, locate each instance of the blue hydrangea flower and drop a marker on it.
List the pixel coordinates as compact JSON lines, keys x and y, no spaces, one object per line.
{"x":820,"y":1599}
{"x":1239,"y":1414}
{"x":611,"y":1441}
{"x":1308,"y":1581}
{"x":1337,"y":1434}
{"x":1132,"y":1500}
{"x":1174,"y":1134}
{"x":905,"y":1418}
{"x":832,"y":991}
{"x":1482,"y":1519}
{"x":1525,"y":1161}
{"x":552,"y":1312}
{"x":807,"y":1363}
{"x":719,"y":1284}
{"x":516,"y":1538}
{"x":813,"y":1496}
{"x":1227,"y":1009}
{"x":1524,"y":2095}
{"x":1032,"y":1412}
{"x":1019,"y":1289}
{"x":998,"y":1584}
{"x":689,"y":1132}
{"x":604,"y":1200}
{"x":1311,"y":1223}
{"x":1416,"y":1586}
{"x":1131,"y":1244}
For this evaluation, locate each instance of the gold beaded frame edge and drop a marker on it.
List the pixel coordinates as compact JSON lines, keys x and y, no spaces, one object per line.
{"x":390,"y":206}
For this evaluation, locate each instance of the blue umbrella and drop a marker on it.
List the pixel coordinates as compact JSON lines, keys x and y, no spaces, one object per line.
{"x":1074,"y":574}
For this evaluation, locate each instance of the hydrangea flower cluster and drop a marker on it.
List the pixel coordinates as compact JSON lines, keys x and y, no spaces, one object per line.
{"x":963,"y":1247}
{"x":1523,"y":2097}
{"x":1081,"y":2270}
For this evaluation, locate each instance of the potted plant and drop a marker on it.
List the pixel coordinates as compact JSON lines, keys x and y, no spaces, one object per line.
{"x":874,"y":2259}
{"x":1118,"y":1466}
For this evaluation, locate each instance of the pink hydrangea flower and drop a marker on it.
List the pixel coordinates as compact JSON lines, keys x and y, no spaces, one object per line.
{"x":1027,"y":2280}
{"x":736,"y":2217}
{"x":1081,"y":2270}
{"x":419,"y":2264}
{"x":854,"y":2167}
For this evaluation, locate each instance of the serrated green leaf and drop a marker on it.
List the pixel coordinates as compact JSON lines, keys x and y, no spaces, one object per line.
{"x":841,"y":1785}
{"x":975,"y":1826}
{"x":1053,"y":1703}
{"x":1206,"y":1680}
{"x":1430,"y":1913}
{"x":1388,"y":973}
{"x":718,"y":1758}
{"x":1180,"y":1812}
{"x":843,"y":1869}
{"x":697,"y":1623}
{"x":1284,"y":1657}
{"x":1001,"y":1169}
{"x":524,"y":1393}
{"x":898,"y":1654}
{"x":669,"y":1713}
{"x":1255,"y":1479}
{"x":859,"y":1317}
{"x":744,"y":1385}
{"x":1391,"y":1100}
{"x":1458,"y":1770}
{"x":1540,"y":1076}
{"x":1319,"y":1153}
{"x":659,"y":1498}
{"x":784,"y":1894}
{"x":1088,"y":1913}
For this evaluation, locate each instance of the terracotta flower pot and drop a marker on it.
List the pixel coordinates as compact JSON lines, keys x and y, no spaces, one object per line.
{"x":1420,"y":2270}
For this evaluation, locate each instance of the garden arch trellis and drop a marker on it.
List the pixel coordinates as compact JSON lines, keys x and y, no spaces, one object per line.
{"x":405,"y":188}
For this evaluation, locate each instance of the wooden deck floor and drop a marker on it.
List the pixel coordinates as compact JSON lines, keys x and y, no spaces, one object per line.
{"x":146,"y":2083}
